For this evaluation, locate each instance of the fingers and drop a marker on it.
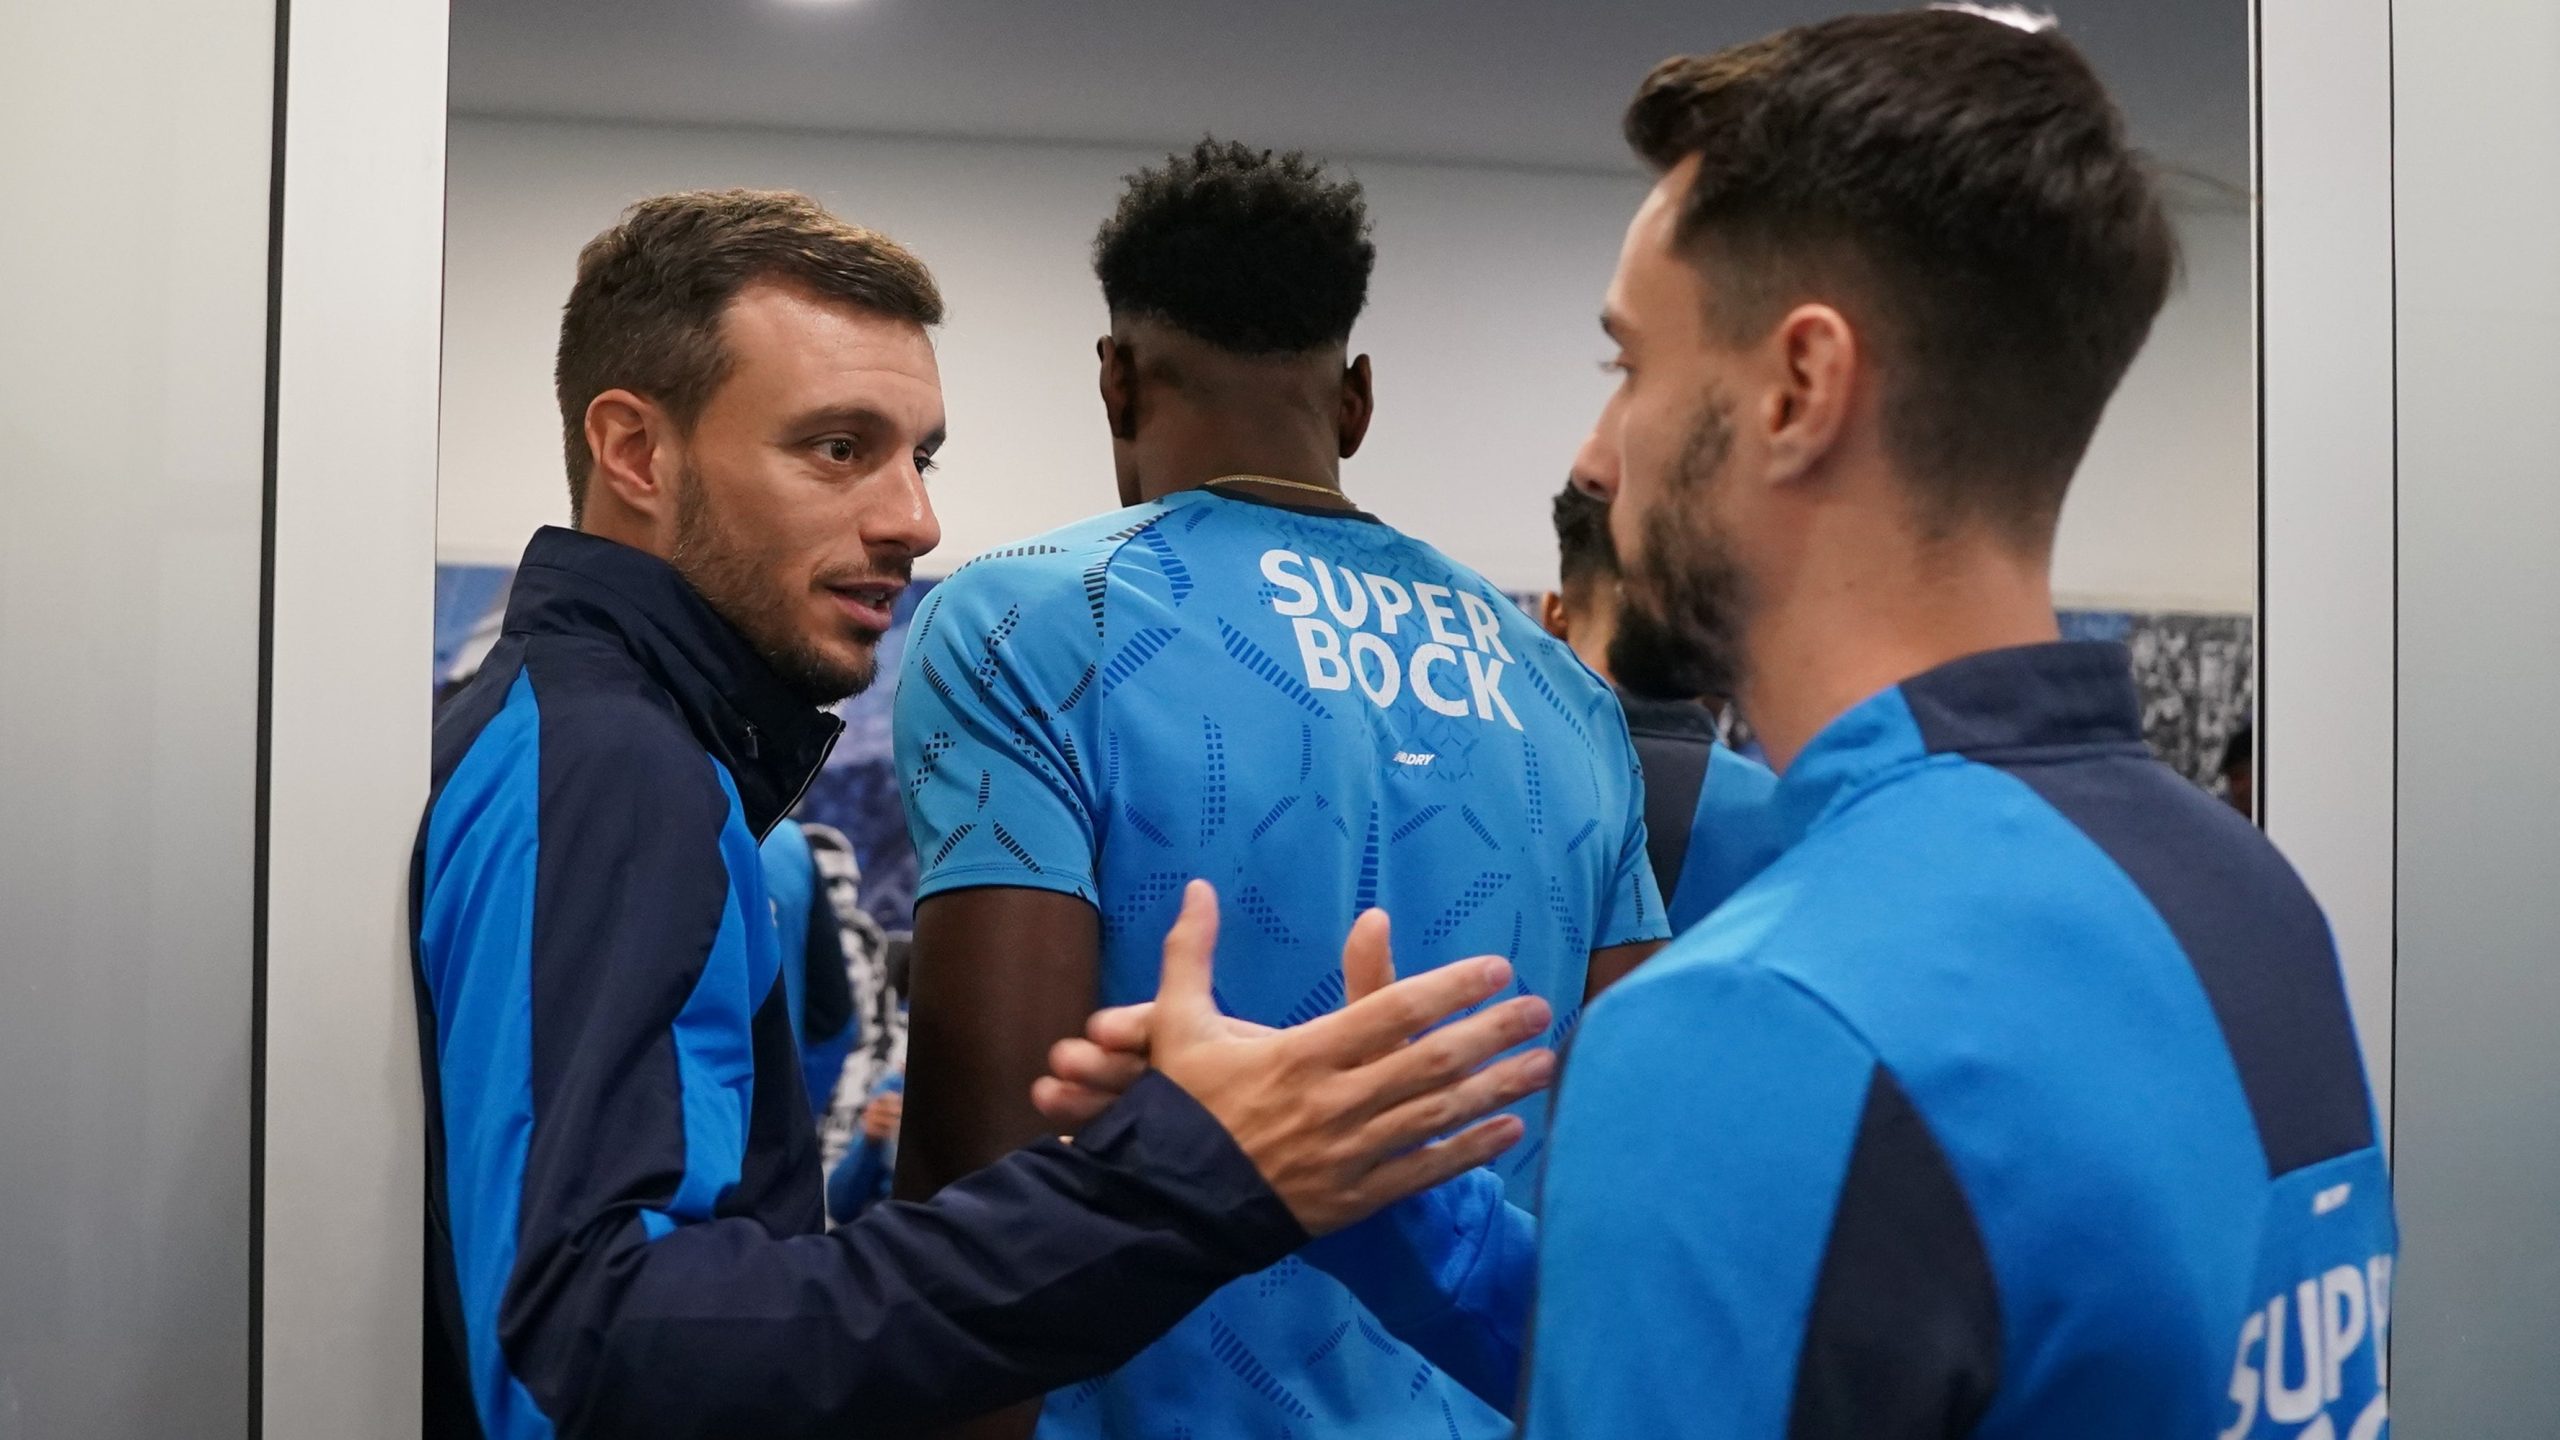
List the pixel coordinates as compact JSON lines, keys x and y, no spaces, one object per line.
{"x":1359,"y":1031}
{"x":1442,"y":1058}
{"x":1081,"y":1062}
{"x":1126,"y":1028}
{"x":1083,"y":1079}
{"x":1189,"y":947}
{"x":1437,"y":1163}
{"x":1436,"y":1112}
{"x":1368,"y":961}
{"x":1067,"y":1106}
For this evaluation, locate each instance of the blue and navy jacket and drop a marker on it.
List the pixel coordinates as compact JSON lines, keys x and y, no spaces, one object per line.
{"x":2017,"y":1097}
{"x":626,"y":1234}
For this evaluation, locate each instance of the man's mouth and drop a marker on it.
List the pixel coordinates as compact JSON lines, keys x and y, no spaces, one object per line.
{"x":871,"y":604}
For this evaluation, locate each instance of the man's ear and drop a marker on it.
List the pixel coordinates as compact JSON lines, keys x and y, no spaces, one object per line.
{"x":1552,"y":617}
{"x":1119,"y":381}
{"x":1359,"y":403}
{"x":626,"y":433}
{"x":1818,"y":358}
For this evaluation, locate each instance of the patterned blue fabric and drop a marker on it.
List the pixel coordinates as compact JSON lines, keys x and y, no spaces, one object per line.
{"x":1319,"y":714}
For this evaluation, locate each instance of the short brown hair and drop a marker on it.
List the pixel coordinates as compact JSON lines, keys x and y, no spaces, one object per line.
{"x":1963,"y":187}
{"x":644,"y":315}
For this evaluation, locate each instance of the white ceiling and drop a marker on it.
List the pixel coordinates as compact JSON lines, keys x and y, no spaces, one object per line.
{"x":1521,"y":82}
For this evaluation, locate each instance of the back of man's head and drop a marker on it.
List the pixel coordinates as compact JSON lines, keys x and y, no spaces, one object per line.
{"x":1250,"y":252}
{"x":1586,"y":560}
{"x":644,"y":314}
{"x":1961,"y":187}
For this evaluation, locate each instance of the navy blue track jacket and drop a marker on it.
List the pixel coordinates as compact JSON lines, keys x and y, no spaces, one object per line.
{"x":625,"y":1223}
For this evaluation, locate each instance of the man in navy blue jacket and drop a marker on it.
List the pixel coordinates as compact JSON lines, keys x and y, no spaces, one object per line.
{"x":2018,"y":1096}
{"x":626,"y":1230}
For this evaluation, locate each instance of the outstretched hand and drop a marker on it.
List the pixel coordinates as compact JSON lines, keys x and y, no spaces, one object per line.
{"x":1089,"y":1072}
{"x":1339,"y":1114}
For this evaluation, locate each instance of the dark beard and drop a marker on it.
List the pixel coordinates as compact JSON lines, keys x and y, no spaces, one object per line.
{"x":1685,"y":598}
{"x":744,"y":590}
{"x":1651,"y":663}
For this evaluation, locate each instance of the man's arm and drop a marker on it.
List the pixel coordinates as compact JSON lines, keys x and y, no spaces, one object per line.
{"x":1000,"y":975}
{"x":992,"y":712}
{"x":1612,"y":965}
{"x":605,"y":1292}
{"x":1449,"y":1271}
{"x":1750,"y":1230}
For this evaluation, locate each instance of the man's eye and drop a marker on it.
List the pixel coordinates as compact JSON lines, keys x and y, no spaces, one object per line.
{"x":926,"y":464}
{"x":840,"y":450}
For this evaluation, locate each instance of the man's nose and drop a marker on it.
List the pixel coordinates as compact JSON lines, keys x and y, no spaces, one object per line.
{"x":900,"y":517}
{"x":1595,"y":468}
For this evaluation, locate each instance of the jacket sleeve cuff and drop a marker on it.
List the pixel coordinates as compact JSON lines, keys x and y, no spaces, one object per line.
{"x":1158,"y":1137}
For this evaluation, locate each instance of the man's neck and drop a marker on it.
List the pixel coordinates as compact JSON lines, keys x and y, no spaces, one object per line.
{"x":1196,"y":467}
{"x":1848,"y":636}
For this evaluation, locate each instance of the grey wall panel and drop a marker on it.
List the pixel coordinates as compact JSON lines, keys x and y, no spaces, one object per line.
{"x":2477,"y":92}
{"x":135,"y":150}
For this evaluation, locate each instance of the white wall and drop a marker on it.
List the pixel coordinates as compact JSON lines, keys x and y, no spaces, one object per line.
{"x":2326,"y":654}
{"x":351,"y":560}
{"x":1482,"y":322}
{"x":2478,"y":232}
{"x":132,"y":453}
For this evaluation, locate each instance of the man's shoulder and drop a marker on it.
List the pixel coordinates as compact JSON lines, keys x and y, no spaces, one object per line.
{"x":600,"y":720}
{"x":1055,"y":583}
{"x":1059,"y":556}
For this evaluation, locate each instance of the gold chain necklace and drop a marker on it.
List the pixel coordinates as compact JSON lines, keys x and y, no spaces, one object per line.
{"x":1325,"y":490}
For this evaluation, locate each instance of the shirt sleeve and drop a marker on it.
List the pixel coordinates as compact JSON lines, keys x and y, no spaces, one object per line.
{"x":999,"y":677}
{"x":1732,"y":838}
{"x":595,"y":1027}
{"x":1449,"y":1272}
{"x":1632,"y":910}
{"x":1733,"y":1165}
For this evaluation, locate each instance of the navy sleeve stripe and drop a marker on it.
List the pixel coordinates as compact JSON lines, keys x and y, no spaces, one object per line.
{"x":1903,"y":1336}
{"x":2255,"y":937}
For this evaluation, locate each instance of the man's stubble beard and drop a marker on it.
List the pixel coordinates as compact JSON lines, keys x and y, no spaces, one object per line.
{"x":1646,"y":660}
{"x":1685,"y":593}
{"x":745,"y":590}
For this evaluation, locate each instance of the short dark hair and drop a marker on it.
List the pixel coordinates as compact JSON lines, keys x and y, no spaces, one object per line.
{"x":645,"y":312}
{"x":1964,"y":188}
{"x":1584,"y":551}
{"x":1252,"y":252}
{"x":2241,"y":748}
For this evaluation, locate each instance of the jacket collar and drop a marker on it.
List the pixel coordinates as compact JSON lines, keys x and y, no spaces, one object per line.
{"x":2054,"y":701}
{"x":770,"y":740}
{"x":1686,"y":719}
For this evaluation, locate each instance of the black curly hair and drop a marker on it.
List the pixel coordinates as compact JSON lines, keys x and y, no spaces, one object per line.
{"x":1584,"y":551}
{"x":1253,"y":252}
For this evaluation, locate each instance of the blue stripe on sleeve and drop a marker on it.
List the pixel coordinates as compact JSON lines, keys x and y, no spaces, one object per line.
{"x":714,"y":1031}
{"x":476,"y":939}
